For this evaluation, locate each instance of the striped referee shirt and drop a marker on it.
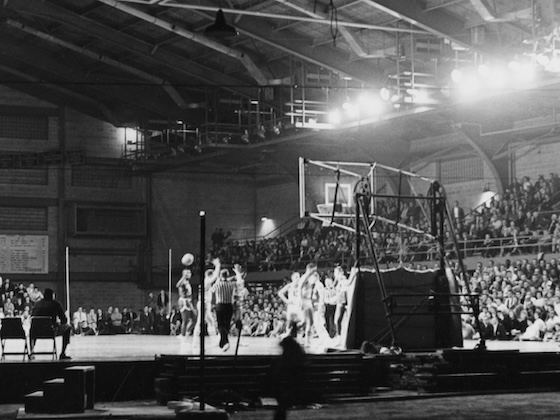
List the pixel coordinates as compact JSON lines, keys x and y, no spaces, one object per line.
{"x":330,"y":295}
{"x":224,"y":291}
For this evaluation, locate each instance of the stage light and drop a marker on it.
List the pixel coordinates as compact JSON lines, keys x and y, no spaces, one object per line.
{"x":334,"y":117}
{"x":469,"y":87}
{"x":526,"y":72}
{"x":266,"y":227}
{"x":523,"y":72}
{"x":352,"y":111}
{"x":421,"y":97}
{"x":554,"y":65}
{"x":220,"y":29}
{"x":130,"y":134}
{"x":543,"y":59}
{"x":457,"y":76}
{"x":514,"y":66}
{"x":370,"y":104}
{"x":385,"y":94}
{"x":484,"y":70}
{"x":498,"y":78}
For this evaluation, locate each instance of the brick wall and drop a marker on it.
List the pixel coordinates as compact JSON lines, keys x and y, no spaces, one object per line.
{"x":228,"y":201}
{"x":540,"y":160}
{"x":280,"y":203}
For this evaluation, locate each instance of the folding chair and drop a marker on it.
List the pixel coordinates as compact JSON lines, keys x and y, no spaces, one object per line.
{"x":42,"y":328}
{"x":12,"y":329}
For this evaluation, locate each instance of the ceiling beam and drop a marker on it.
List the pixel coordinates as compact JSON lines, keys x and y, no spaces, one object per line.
{"x":278,"y":16}
{"x":344,"y":31}
{"x":154,"y":54}
{"x":247,"y":62}
{"x":171,"y":91}
{"x":104,"y":110}
{"x":301,"y":48}
{"x":41,"y":64}
{"x":484,"y":10}
{"x":436,"y":22}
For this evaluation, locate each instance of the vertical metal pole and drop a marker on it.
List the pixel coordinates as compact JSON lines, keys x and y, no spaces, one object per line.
{"x":169,"y":281}
{"x":357,"y":198}
{"x":441,"y":215}
{"x":202,"y":215}
{"x":68,"y":282}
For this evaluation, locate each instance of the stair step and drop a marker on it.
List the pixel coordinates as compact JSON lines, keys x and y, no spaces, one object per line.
{"x":34,"y":402}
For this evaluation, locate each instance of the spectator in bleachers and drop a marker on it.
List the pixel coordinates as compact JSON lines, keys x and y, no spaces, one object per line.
{"x":91,"y":319}
{"x":79,"y":321}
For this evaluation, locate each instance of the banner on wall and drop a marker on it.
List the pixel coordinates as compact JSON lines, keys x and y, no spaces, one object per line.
{"x":24,"y":254}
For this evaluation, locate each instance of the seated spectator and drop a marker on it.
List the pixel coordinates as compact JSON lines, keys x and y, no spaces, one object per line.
{"x":109,"y":321}
{"x":498,"y":330}
{"x":174,"y":322}
{"x":34,"y":293}
{"x":146,"y":321}
{"x":91,"y":319}
{"x":127,"y":320}
{"x":79,"y":321}
{"x":116,"y":322}
{"x":9,"y":307}
{"x":535,"y":330}
{"x":161,"y":323}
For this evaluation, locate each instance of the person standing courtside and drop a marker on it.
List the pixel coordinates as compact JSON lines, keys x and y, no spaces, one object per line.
{"x":224,"y":291}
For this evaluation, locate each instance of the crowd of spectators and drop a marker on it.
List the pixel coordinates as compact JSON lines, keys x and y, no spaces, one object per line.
{"x":18,"y":300}
{"x":518,"y":300}
{"x":514,"y":296}
{"x":520,"y":221}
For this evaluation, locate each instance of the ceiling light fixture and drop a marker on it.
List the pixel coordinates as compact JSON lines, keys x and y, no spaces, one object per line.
{"x":220,"y":29}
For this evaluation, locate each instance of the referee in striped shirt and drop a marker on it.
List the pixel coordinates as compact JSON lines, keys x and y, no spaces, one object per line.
{"x":224,"y":290}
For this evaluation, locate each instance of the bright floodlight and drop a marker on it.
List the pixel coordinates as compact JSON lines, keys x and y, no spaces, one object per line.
{"x":514,"y":66}
{"x":554,"y":65}
{"x":498,"y":78}
{"x":352,"y":111}
{"x":522,"y":71}
{"x":370,"y":104}
{"x":469,"y":87}
{"x":130,"y":134}
{"x":334,"y":117}
{"x":457,"y":76}
{"x":421,"y":96}
{"x":543,"y":60}
{"x":484,"y":70}
{"x":385,"y":94}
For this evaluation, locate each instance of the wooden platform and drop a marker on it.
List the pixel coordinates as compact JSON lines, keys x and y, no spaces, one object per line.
{"x":127,"y":365}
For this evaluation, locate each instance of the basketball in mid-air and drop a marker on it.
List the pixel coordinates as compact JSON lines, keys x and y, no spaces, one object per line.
{"x":187,"y":259}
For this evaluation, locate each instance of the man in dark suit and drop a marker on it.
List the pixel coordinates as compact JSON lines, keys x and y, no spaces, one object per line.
{"x":458,"y":212}
{"x":48,"y":306}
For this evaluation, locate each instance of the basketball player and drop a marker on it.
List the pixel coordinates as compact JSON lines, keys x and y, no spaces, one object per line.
{"x":343,"y":283}
{"x":319,"y":311}
{"x":241,"y":294}
{"x":310,"y":297}
{"x":290,"y":295}
{"x":184,"y":302}
{"x":210,"y":277}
